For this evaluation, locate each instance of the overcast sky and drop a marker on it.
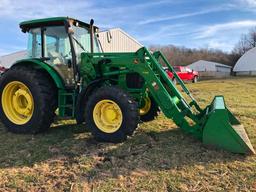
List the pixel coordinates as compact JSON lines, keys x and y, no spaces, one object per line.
{"x":191,"y":23}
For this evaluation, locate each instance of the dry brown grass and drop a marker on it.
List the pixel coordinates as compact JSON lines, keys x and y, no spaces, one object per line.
{"x":159,"y":157}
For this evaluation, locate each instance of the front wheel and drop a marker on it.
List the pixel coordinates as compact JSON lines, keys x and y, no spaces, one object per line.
{"x":149,"y":109}
{"x":195,"y":80}
{"x":111,"y":114}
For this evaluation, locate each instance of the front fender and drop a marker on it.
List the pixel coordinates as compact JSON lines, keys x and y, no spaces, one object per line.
{"x":83,"y":97}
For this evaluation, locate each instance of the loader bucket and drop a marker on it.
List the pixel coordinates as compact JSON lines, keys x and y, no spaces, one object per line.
{"x":224,"y":131}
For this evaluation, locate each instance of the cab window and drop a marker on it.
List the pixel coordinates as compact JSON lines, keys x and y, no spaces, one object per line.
{"x":57,"y":47}
{"x":177,"y":69}
{"x":183,"y":69}
{"x":35,"y":43}
{"x":188,"y":70}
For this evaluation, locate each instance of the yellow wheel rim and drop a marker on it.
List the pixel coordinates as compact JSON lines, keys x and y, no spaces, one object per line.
{"x":17,"y":102}
{"x":146,"y":107}
{"x":107,"y":116}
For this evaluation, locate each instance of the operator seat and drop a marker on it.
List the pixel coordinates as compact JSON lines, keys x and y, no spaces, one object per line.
{"x":56,"y":58}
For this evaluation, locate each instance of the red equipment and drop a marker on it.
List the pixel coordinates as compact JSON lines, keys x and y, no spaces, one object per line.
{"x":184,"y":73}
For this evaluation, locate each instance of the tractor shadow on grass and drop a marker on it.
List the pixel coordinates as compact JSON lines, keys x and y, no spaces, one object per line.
{"x":73,"y":144}
{"x":18,"y":150}
{"x":157,"y":151}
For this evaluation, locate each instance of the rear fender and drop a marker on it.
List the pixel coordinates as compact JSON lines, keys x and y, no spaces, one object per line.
{"x":37,"y":63}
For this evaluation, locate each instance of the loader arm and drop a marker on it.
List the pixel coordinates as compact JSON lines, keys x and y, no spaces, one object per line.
{"x":201,"y":123}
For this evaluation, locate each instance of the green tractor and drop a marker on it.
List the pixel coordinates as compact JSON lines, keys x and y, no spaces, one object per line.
{"x":66,"y":73}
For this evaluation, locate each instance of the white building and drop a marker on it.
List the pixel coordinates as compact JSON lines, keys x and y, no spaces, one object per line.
{"x":116,"y":40}
{"x":7,"y":60}
{"x":246,"y":65}
{"x":208,"y":69}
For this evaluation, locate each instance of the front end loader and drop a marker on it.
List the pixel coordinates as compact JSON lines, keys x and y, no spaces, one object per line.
{"x":66,"y":73}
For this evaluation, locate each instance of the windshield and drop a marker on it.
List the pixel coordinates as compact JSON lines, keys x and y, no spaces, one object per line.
{"x":177,"y":69}
{"x":188,"y":70}
{"x":82,"y":43}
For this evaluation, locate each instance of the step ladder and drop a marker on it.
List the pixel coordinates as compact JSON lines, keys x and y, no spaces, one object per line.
{"x":67,"y":103}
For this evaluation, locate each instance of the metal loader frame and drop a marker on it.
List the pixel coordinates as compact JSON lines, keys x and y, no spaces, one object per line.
{"x":187,"y":115}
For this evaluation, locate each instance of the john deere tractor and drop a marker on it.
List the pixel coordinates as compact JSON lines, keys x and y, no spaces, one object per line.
{"x":67,"y":74}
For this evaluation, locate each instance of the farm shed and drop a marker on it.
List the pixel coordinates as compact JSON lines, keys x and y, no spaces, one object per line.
{"x":7,"y":60}
{"x":116,"y":40}
{"x":210,"y":70}
{"x":246,"y":65}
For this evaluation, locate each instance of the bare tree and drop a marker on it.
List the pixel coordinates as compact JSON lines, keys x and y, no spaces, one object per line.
{"x":246,"y":42}
{"x":252,"y":37}
{"x":184,"y":56}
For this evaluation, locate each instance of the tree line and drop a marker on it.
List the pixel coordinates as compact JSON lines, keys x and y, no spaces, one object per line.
{"x":185,"y":56}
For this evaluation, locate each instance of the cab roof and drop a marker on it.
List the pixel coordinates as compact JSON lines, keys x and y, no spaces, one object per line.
{"x":52,"y":21}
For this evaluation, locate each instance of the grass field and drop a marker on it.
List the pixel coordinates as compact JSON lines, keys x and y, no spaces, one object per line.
{"x":159,"y":157}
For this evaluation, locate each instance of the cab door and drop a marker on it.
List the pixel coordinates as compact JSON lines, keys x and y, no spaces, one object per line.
{"x":189,"y":74}
{"x":58,"y":50}
{"x":182,"y":73}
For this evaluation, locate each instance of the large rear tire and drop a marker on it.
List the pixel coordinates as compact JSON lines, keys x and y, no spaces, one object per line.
{"x":28,"y":100}
{"x":111,"y":114}
{"x":150,"y":110}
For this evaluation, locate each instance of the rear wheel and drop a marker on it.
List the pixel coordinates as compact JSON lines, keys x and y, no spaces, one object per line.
{"x":111,"y":114}
{"x":149,"y":110}
{"x":28,"y":100}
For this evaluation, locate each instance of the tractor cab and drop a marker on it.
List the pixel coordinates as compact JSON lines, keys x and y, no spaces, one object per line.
{"x":59,"y":42}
